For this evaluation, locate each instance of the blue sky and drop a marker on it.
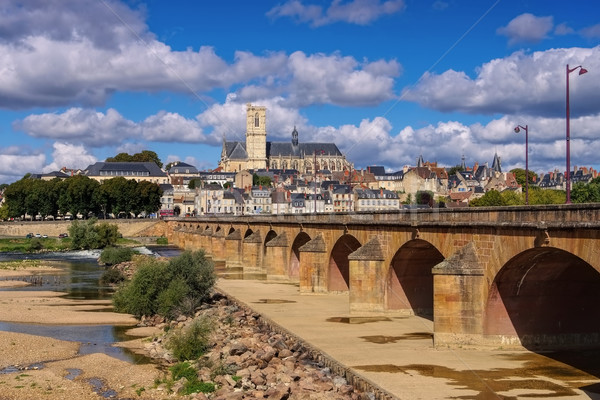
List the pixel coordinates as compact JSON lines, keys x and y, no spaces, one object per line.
{"x":387,"y":81}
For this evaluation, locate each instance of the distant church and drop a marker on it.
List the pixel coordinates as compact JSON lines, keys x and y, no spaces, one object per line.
{"x":257,"y":153}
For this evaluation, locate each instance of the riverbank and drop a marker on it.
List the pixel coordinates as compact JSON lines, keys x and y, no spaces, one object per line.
{"x":33,"y":367}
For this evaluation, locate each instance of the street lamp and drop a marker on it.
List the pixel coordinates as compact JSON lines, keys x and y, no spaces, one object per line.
{"x":517,"y":130}
{"x":581,"y":72}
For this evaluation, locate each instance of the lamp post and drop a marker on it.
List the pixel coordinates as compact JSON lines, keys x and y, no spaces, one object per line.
{"x":581,"y":72}
{"x":517,"y":130}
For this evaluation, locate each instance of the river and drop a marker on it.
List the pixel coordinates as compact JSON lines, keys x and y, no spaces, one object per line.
{"x":79,"y":279}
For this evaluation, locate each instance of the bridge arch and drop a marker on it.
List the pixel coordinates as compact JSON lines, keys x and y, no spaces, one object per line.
{"x":294,"y":263}
{"x":231,"y":230}
{"x":248,"y":233}
{"x":409,"y":283}
{"x":545,"y":298}
{"x":339,"y":266}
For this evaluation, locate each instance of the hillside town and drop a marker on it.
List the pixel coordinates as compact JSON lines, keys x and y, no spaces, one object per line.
{"x":262,"y":177}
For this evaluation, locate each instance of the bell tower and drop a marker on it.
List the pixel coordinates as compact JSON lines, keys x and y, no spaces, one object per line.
{"x":256,"y":136}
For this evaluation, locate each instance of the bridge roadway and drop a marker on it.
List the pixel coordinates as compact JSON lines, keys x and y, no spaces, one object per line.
{"x":394,"y":356}
{"x":499,"y":277}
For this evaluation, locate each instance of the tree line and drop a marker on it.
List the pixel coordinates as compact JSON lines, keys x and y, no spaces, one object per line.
{"x":79,"y":194}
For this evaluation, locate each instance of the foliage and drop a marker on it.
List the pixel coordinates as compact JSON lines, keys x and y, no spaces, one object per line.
{"x":191,"y":342}
{"x":3,"y":212}
{"x":424,"y":197}
{"x":162,"y":241}
{"x":144,"y":156}
{"x":263,"y":181}
{"x":116,"y":255}
{"x":491,"y":199}
{"x":541,"y":196}
{"x":80,"y":195}
{"x":519,"y":174}
{"x":165,"y":288}
{"x":23,"y":245}
{"x":112,"y":276}
{"x":88,"y":235}
{"x":34,"y":244}
{"x":193,"y":384}
{"x":455,"y":169}
{"x":590,"y":193}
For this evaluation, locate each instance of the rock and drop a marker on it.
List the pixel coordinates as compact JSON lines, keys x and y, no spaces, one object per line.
{"x":237,"y":349}
{"x":284,"y":353}
{"x":179,"y":385}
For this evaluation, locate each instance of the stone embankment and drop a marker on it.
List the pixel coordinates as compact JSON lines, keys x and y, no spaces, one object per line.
{"x":264,"y":363}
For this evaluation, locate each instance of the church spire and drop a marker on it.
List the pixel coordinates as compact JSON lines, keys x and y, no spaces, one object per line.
{"x":294,"y":137}
{"x":496,"y":164}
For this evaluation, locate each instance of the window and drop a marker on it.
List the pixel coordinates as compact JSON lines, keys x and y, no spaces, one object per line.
{"x":256,"y":120}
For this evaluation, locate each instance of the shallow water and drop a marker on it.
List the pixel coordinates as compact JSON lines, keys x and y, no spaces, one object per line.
{"x":79,"y":277}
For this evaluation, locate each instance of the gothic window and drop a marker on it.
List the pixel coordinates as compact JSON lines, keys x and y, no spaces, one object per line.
{"x":339,"y":166}
{"x":295,"y":165}
{"x":256,"y":120}
{"x":284,"y":165}
{"x":274,"y":164}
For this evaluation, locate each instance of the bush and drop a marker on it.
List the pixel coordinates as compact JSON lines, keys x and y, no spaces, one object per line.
{"x":192,"y":342}
{"x":34,"y":244}
{"x":162,"y":241}
{"x":193,"y":385}
{"x":86,"y":235}
{"x":116,"y":255}
{"x":112,"y":276}
{"x":167,"y":289}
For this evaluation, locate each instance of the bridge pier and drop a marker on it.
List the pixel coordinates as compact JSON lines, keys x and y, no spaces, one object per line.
{"x":275,"y":260}
{"x":367,"y":278}
{"x":314,"y":266}
{"x":458,"y":299}
{"x":217,"y":244}
{"x":233,"y":249}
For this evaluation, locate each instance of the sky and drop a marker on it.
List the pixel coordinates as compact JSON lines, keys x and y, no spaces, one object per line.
{"x":386,"y":80}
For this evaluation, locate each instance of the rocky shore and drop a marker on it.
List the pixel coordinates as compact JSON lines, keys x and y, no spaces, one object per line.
{"x":254,"y":362}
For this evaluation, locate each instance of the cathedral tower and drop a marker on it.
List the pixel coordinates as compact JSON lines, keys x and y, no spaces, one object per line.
{"x":256,"y":137}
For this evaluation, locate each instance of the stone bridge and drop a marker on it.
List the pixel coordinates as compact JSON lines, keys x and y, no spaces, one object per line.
{"x":511,"y":277}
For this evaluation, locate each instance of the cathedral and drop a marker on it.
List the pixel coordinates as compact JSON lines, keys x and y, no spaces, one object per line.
{"x":257,"y":153}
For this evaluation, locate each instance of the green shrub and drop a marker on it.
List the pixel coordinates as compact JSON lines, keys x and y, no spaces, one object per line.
{"x":112,"y":276}
{"x":139,"y":296}
{"x":191,"y":342}
{"x":34,"y":244}
{"x":87,"y":235}
{"x":193,"y":385}
{"x":116,"y":255}
{"x":183,"y":370}
{"x":167,"y":289}
{"x":162,"y":241}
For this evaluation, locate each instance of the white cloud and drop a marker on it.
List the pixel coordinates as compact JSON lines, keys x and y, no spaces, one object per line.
{"x":69,"y":155}
{"x":82,"y":55}
{"x":527,"y":28}
{"x":359,"y":12}
{"x":520,"y":83}
{"x":80,"y":125}
{"x":16,"y":162}
{"x":591,"y":32}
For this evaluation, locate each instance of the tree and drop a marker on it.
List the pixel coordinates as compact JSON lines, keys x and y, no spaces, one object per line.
{"x":519,"y":174}
{"x":15,"y":196}
{"x":455,"y":169}
{"x":87,"y":235}
{"x":491,"y":199}
{"x":264,"y":181}
{"x":144,"y":156}
{"x":512,"y":198}
{"x":77,"y":195}
{"x":149,"y":194}
{"x":541,"y":196}
{"x":589,"y":193}
{"x":424,"y":197}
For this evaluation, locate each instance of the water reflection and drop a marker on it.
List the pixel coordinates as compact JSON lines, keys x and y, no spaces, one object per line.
{"x":78,"y":275}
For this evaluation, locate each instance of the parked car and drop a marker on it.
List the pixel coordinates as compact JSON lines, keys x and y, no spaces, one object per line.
{"x":37,"y":235}
{"x":63,"y":235}
{"x":29,"y":235}
{"x":45,"y":236}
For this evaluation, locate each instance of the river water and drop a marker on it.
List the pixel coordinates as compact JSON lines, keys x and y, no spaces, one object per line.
{"x":79,"y":280}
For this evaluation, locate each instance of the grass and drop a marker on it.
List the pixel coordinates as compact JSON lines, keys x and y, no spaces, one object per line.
{"x":24,"y":245}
